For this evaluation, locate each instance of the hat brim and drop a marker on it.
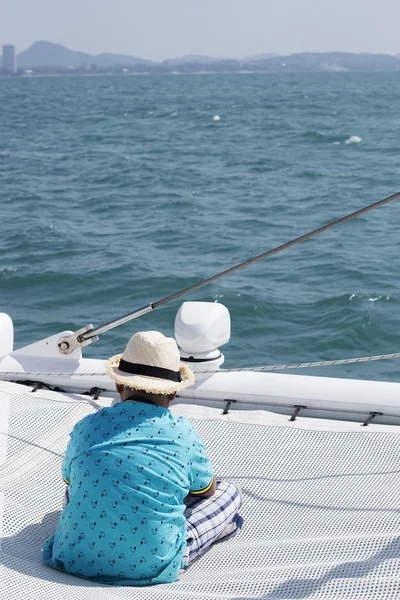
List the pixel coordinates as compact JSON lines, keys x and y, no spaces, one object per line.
{"x":151,"y":385}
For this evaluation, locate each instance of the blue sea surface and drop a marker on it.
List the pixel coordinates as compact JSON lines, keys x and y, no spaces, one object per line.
{"x":118,"y":191}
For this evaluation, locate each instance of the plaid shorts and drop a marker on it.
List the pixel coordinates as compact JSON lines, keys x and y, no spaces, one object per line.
{"x":211,"y":519}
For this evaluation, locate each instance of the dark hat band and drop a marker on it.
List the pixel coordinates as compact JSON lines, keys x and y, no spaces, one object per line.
{"x":149,"y":371}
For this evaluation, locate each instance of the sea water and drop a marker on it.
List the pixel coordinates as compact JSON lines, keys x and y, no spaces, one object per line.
{"x":118,"y":191}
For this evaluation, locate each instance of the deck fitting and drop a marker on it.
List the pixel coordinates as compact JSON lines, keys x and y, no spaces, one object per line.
{"x":227,"y":406}
{"x":370,"y":417}
{"x":297,"y":409}
{"x":94,"y":392}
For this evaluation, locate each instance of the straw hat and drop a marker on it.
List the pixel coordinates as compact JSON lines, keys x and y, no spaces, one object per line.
{"x":151,"y":363}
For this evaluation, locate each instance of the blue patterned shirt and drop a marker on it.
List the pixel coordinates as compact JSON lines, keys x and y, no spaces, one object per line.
{"x":129,"y":468}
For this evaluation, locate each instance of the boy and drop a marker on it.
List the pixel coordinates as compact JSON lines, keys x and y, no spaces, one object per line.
{"x":129,"y":469}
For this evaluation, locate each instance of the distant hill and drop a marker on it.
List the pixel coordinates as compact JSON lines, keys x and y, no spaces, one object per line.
{"x":107,"y":59}
{"x":299,"y":62}
{"x":48,"y":54}
{"x":194,"y":58}
{"x":47,"y":57}
{"x":331,"y":61}
{"x":260,"y":57}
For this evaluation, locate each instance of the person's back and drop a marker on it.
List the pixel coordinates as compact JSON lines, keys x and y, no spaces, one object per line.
{"x":133,"y":464}
{"x":129,"y":468}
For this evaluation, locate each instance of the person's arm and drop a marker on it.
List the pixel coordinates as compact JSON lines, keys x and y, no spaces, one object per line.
{"x":66,"y":465}
{"x":210,"y":491}
{"x":202,"y":480}
{"x":67,"y":458}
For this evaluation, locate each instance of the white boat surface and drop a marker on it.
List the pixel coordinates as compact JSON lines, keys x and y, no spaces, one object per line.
{"x":317,"y":459}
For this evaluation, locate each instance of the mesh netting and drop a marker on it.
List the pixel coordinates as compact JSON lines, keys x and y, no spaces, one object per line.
{"x":321,"y":511}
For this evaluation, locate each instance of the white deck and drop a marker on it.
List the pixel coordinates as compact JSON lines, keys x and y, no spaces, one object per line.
{"x":321,"y":505}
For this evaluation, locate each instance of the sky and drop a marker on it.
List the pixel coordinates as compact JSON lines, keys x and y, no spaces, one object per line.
{"x":160,"y":29}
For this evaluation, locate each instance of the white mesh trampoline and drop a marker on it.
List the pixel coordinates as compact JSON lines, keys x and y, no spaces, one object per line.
{"x":321,"y":505}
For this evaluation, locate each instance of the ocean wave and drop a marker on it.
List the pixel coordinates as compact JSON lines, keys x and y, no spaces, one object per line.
{"x":334,"y":139}
{"x":319,"y":136}
{"x":7,"y":270}
{"x":353,"y":139}
{"x":369,"y":298}
{"x":376,"y":298}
